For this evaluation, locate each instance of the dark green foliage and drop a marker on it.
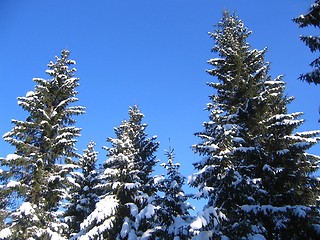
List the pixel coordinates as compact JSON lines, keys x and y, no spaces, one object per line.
{"x":255,"y":172}
{"x":125,"y":208}
{"x":173,"y":215}
{"x":312,"y":18}
{"x":83,"y":194}
{"x":37,"y":172}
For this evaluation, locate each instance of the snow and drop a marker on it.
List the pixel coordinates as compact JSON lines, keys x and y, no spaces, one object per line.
{"x":317,"y":228}
{"x":26,"y":208}
{"x":212,"y":148}
{"x":130,"y":186}
{"x":215,"y":59}
{"x":133,"y":209}
{"x":273,"y":82}
{"x":63,"y":102}
{"x":54,"y":178}
{"x":174,"y":184}
{"x":206,"y":191}
{"x":147,"y":235}
{"x":203,"y":235}
{"x":301,"y":145}
{"x":54,"y":113}
{"x":298,"y":210}
{"x":44,"y":113}
{"x":104,"y":209}
{"x":237,"y":140}
{"x":132,"y":235}
{"x":256,"y":180}
{"x":50,"y":71}
{"x":256,"y":237}
{"x":244,"y":149}
{"x":12,"y":157}
{"x":12,"y":184}
{"x":5,"y":233}
{"x":96,"y":230}
{"x":52,"y":234}
{"x":237,"y":178}
{"x":43,"y":122}
{"x":308,"y":133}
{"x":283,"y":151}
{"x":29,"y":94}
{"x":177,"y":226}
{"x":125,"y":228}
{"x":147,"y":212}
{"x":158,"y":179}
{"x":267,"y":167}
{"x":198,"y":223}
{"x":206,"y":216}
{"x":263,"y":208}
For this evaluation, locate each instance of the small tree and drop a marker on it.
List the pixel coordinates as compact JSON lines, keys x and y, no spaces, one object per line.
{"x":125,"y":208}
{"x":36,"y":174}
{"x":173,"y":217}
{"x":312,"y":18}
{"x":83,"y":195}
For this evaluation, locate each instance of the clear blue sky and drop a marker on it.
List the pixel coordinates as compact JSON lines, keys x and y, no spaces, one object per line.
{"x":149,"y":52}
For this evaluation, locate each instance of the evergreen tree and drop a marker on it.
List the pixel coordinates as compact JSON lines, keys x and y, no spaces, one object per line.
{"x":83,"y":195}
{"x":36,"y":174}
{"x":312,"y":18}
{"x":173,"y":217}
{"x":255,"y":169}
{"x":3,"y":201}
{"x":125,"y":209}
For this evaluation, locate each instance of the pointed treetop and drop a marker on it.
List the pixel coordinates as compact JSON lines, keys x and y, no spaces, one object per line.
{"x":230,"y":33}
{"x":135,"y":114}
{"x":170,"y":153}
{"x":61,"y":66}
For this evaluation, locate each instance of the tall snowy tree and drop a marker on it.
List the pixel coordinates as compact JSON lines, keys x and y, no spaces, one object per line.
{"x":254,"y":170}
{"x":125,"y":209}
{"x":173,"y":217}
{"x":36,"y":174}
{"x":312,"y":18}
{"x":83,"y":196}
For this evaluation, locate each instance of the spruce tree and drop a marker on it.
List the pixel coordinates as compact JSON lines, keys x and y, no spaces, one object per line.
{"x":3,"y":201}
{"x":173,"y":217}
{"x":254,"y":170}
{"x":125,"y":208}
{"x":83,"y":196}
{"x":312,"y":18}
{"x":37,"y":173}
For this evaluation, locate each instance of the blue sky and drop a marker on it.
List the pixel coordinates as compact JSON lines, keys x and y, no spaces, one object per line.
{"x":146,"y":52}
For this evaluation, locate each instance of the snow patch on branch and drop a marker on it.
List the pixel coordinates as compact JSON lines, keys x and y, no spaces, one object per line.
{"x":104,"y":209}
{"x":5,"y":233}
{"x":12,"y":157}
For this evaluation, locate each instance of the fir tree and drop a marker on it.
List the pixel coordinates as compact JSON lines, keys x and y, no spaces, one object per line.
{"x":251,"y":155}
{"x":36,"y":174}
{"x":3,"y":201}
{"x":173,"y":216}
{"x":125,"y":209}
{"x":83,"y":195}
{"x":312,"y":18}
